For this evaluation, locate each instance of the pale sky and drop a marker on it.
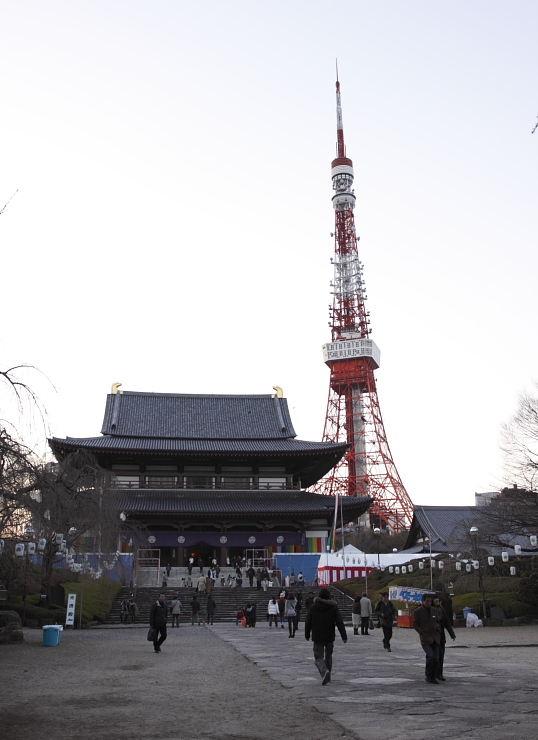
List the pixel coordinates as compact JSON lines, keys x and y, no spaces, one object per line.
{"x":171,"y":229}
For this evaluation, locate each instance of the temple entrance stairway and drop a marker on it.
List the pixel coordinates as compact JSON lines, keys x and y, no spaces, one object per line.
{"x":227,"y":599}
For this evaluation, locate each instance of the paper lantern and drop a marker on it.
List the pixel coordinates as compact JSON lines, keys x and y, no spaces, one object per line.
{"x":491,"y":560}
{"x":533,"y":540}
{"x":441,"y":564}
{"x":404,"y":569}
{"x":391,"y":569}
{"x":468,"y":567}
{"x":458,"y":566}
{"x":397,"y":569}
{"x":59,"y":539}
{"x":504,"y":556}
{"x":476,"y":564}
{"x":31,"y":548}
{"x":517,"y":549}
{"x":19,"y":549}
{"x":432,"y":563}
{"x":421,"y":565}
{"x":409,"y":568}
{"x":512,"y":570}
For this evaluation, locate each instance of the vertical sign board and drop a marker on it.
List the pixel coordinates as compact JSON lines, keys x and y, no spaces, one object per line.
{"x":70,"y":612}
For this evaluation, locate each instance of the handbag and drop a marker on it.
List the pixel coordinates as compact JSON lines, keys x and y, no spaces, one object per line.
{"x":371,"y":624}
{"x":152,"y":634}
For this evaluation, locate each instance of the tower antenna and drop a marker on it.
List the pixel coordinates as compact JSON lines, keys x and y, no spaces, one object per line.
{"x":353,"y":411}
{"x":9,"y":201}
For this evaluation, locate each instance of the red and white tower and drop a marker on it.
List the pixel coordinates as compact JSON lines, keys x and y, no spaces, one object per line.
{"x":353,"y":411}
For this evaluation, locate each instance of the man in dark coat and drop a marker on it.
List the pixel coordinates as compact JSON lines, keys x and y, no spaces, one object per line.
{"x":386,"y":611}
{"x":195,"y":610}
{"x":211,"y":606}
{"x":309,"y":600}
{"x":446,"y":624}
{"x":157,"y":619}
{"x":427,"y":622}
{"x":321,"y":621}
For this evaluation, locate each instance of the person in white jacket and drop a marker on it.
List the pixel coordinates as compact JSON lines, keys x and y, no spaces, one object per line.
{"x":273,"y":612}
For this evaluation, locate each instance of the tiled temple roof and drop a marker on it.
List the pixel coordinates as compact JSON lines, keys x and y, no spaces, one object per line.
{"x":239,"y":503}
{"x":184,"y":416}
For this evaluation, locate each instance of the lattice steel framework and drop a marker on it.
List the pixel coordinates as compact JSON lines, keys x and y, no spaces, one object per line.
{"x":353,"y":411}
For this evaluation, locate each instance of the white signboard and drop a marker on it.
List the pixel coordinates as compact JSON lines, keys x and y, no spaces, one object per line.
{"x":70,"y":612}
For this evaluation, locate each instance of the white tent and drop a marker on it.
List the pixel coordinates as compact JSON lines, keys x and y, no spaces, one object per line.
{"x":353,"y":563}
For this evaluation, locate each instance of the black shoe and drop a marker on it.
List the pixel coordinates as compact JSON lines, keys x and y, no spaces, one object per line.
{"x":326,"y":678}
{"x":389,"y":650}
{"x":441,"y":678}
{"x":157,"y":650}
{"x":290,"y":636}
{"x":432,"y":680}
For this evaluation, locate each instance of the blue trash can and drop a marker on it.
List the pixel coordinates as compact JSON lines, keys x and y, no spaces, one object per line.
{"x":466,"y":612}
{"x":51,"y":635}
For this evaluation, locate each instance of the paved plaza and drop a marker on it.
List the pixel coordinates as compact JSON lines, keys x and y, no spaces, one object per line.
{"x":229,"y":683}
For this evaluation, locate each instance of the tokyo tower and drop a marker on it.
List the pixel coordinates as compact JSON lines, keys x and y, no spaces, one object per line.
{"x":353,"y":411}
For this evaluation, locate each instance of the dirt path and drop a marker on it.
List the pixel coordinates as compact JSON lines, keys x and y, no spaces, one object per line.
{"x":103,"y":684}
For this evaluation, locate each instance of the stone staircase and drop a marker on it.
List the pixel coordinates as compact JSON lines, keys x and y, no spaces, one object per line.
{"x":227,"y":599}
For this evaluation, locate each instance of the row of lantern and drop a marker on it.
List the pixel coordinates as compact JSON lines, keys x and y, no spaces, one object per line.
{"x":30,"y":548}
{"x":468,"y":566}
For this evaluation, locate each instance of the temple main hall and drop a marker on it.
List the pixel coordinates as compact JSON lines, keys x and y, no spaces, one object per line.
{"x":215,"y":476}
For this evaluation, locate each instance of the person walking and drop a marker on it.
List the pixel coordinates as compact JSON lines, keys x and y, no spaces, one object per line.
{"x":386,"y":612}
{"x":298,"y":610}
{"x":201,"y":564}
{"x":168,"y":570}
{"x":259,"y":579}
{"x":272,"y":611}
{"x":265,"y":579}
{"x":356,"y":614}
{"x":190,"y":565}
{"x":251,"y":573}
{"x":211,"y":606}
{"x":133,"y":611}
{"x":282,"y":608}
{"x":309,"y":601}
{"x":157,"y":621}
{"x":446,"y":603}
{"x":322,"y":619}
{"x":124,"y":611}
{"x":165,"y":579}
{"x":446,"y":624}
{"x":175,"y":610}
{"x":200,"y":584}
{"x":290,"y":614}
{"x":366,"y":613}
{"x":427,"y":622}
{"x":195,"y":610}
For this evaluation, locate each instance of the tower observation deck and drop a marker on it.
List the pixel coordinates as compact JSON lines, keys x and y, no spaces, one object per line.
{"x":353,"y":411}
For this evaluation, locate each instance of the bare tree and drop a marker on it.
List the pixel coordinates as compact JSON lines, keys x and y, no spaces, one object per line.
{"x":18,"y":474}
{"x":520,"y":443}
{"x":73,"y":508}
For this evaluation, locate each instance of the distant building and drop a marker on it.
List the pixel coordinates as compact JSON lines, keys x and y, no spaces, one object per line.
{"x":485,"y":499}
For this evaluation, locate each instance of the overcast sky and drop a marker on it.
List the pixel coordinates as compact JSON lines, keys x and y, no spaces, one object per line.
{"x":171,"y":229}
